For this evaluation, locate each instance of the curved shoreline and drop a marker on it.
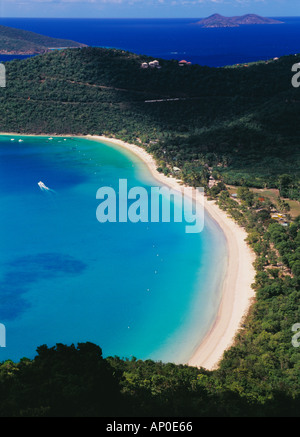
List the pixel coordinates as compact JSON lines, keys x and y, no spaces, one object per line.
{"x":237,"y":294}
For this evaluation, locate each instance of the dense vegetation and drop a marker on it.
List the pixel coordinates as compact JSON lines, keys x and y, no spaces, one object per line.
{"x":243,"y":121}
{"x":17,"y":41}
{"x":239,"y":125}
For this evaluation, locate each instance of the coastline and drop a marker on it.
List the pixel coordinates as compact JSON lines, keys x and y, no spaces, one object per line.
{"x":237,"y":294}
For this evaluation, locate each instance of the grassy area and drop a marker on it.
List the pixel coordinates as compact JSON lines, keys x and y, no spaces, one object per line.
{"x":272,"y":194}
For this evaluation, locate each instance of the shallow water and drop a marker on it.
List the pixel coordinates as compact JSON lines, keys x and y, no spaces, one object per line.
{"x":148,"y":290}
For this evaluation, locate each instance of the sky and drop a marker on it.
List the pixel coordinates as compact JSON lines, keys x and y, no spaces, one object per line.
{"x":146,"y":8}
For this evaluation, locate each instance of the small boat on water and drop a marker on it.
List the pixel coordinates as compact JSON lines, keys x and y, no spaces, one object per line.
{"x":43,"y":186}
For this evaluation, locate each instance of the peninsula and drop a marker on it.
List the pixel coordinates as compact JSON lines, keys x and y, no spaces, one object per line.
{"x":217,"y":20}
{"x":22,"y":42}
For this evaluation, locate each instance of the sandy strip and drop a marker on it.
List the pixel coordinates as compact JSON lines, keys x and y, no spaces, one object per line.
{"x":237,"y":294}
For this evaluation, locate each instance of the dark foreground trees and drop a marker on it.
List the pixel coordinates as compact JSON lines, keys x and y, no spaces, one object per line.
{"x":69,"y":381}
{"x":60,"y":381}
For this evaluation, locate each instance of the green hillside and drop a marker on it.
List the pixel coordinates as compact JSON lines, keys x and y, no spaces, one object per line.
{"x":241,"y":125}
{"x":242,"y":121}
{"x":17,"y":41}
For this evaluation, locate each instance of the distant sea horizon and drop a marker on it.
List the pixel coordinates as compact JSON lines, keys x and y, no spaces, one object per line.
{"x":171,"y":38}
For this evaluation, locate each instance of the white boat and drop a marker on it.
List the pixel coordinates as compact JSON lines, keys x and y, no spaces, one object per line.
{"x":20,"y":141}
{"x":43,"y":186}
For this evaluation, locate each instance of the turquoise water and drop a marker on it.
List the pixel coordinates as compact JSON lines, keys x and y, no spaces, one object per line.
{"x":148,"y":290}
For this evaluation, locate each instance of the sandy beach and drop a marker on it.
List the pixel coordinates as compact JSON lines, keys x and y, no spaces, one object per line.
{"x":237,"y":294}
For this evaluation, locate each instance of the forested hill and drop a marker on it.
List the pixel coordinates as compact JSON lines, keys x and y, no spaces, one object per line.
{"x":23,"y":42}
{"x":243,"y":121}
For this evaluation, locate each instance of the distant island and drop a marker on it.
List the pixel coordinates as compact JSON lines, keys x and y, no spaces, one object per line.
{"x":22,"y":42}
{"x":217,"y":20}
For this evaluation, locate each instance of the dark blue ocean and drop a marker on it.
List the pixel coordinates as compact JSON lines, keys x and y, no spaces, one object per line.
{"x":173,"y":38}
